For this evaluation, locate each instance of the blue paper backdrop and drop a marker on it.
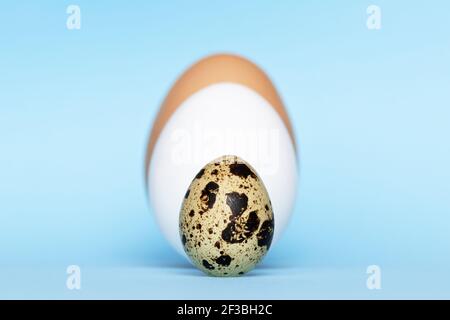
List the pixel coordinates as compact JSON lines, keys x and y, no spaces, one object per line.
{"x":371,"y":109}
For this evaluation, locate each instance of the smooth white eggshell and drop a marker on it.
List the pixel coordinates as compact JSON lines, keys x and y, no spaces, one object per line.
{"x":221,"y":119}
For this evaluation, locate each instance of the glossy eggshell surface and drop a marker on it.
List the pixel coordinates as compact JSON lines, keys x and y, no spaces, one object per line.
{"x":226,"y":220}
{"x":222,"y":119}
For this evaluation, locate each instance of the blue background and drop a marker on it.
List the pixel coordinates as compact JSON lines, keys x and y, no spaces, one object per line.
{"x":371,"y":109}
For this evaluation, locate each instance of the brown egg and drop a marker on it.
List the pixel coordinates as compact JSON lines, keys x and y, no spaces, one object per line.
{"x":223,"y":104}
{"x":215,"y":69}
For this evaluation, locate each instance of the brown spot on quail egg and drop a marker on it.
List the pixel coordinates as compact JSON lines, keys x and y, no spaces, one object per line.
{"x":234,"y":228}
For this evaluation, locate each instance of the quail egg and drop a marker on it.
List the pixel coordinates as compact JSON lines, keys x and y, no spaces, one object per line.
{"x":226,"y":220}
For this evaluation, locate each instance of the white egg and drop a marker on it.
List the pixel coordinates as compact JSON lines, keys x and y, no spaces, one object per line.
{"x":222,"y":118}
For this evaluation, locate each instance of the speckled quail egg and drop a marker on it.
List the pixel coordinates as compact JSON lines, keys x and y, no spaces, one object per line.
{"x":226,"y":219}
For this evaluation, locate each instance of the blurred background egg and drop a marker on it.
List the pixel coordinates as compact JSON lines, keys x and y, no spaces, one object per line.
{"x":222,"y":105}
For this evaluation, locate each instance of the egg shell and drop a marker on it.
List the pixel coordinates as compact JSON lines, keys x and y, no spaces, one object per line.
{"x":198,"y":132}
{"x":226,"y":221}
{"x":223,"y":104}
